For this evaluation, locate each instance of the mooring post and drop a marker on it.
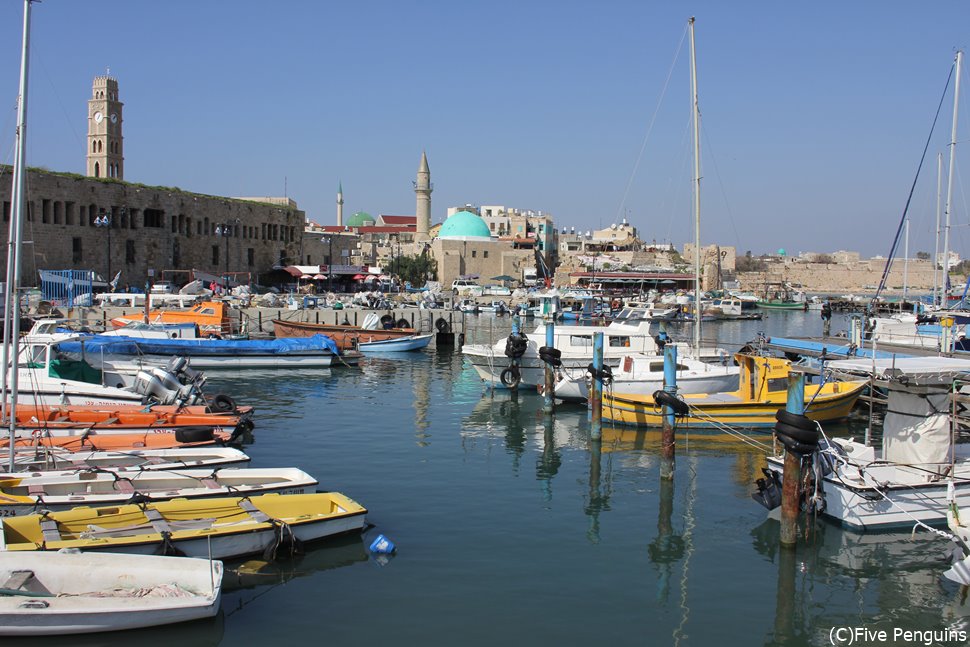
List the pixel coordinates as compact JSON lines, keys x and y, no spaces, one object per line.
{"x":667,"y":435}
{"x":549,"y":387}
{"x":792,"y":476}
{"x":596,"y":389}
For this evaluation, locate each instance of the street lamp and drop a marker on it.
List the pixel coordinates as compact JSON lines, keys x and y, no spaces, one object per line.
{"x":224,"y":229}
{"x":104,"y":220}
{"x":328,"y":240}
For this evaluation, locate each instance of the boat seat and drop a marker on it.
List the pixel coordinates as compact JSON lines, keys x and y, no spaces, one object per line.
{"x":211,"y":483}
{"x":124,"y":485}
{"x":257,"y":515}
{"x":35,"y":490}
{"x":48,"y":528}
{"x":23,"y":581}
{"x":157,"y":520}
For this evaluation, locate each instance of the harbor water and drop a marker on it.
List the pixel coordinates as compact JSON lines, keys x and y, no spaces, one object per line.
{"x":516,"y":529}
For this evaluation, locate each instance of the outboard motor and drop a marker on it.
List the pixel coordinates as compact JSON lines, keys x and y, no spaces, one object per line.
{"x":149,"y":384}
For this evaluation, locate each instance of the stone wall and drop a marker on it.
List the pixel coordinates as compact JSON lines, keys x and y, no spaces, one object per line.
{"x":151,"y":228}
{"x":848,"y":277}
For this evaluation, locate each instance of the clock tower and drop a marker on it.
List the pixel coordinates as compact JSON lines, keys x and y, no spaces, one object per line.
{"x":105,"y":143}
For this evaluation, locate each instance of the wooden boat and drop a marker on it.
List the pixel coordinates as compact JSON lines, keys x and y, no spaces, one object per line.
{"x":345,"y":336}
{"x":223,"y":528}
{"x":400,"y":344}
{"x":753,"y":405}
{"x":70,"y":592}
{"x":212,"y":318}
{"x":44,"y":459}
{"x":26,"y":493}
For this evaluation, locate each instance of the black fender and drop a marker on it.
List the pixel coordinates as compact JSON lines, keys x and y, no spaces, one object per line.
{"x":198,"y":434}
{"x":222,"y":403}
{"x":668,"y":399}
{"x":511,"y":377}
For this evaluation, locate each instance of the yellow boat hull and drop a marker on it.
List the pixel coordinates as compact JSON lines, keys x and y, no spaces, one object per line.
{"x":833,"y":401}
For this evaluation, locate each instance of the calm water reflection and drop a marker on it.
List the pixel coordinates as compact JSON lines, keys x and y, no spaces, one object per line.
{"x":516,"y":528}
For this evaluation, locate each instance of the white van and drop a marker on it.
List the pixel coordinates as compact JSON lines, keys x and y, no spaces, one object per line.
{"x":466,"y":287}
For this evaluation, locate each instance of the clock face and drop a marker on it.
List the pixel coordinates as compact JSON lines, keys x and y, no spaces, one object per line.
{"x":114,"y":117}
{"x":98,"y":117}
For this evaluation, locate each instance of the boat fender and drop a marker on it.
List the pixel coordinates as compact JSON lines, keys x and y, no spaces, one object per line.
{"x":511,"y":377}
{"x":551,"y":356}
{"x":243,"y":428}
{"x":387,"y":322}
{"x":660,"y":341}
{"x":769,"y":490}
{"x":604,"y":375}
{"x":516,"y":345}
{"x":223,"y":403}
{"x":667,"y":399}
{"x":806,"y":436}
{"x":403,"y":323}
{"x":795,"y":447}
{"x":199,"y":434}
{"x":442,"y":325}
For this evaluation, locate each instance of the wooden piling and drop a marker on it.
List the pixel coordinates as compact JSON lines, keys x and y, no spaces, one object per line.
{"x":668,"y":431}
{"x":596,"y":389}
{"x":548,"y":399}
{"x":792,"y":475}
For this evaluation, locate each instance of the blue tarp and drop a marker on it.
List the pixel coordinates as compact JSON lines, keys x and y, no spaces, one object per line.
{"x":119,"y":345}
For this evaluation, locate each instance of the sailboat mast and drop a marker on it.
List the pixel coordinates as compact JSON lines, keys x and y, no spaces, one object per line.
{"x":936,"y":249}
{"x":11,"y":315}
{"x":949,"y":180}
{"x":697,"y":193}
{"x":906,"y":263}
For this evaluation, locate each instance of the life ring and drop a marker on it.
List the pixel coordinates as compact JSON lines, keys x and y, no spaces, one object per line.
{"x":222,"y":403}
{"x":193,"y":434}
{"x":667,"y":399}
{"x":511,"y":377}
{"x":442,"y":325}
{"x":403,"y":323}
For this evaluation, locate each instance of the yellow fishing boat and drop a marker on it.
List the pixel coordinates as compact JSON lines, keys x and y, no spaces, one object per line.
{"x":763,"y":390}
{"x":219,"y":528}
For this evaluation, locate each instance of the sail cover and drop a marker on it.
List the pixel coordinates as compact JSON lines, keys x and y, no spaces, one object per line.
{"x":917,"y":426}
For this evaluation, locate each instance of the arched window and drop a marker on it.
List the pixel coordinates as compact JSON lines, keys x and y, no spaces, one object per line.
{"x":97,"y":170}
{"x":94,"y":146}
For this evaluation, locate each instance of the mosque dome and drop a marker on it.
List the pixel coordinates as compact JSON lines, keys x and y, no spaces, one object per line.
{"x":781,"y":252}
{"x":464,"y":225}
{"x":361,"y":219}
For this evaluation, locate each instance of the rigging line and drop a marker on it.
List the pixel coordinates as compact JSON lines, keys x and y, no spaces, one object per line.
{"x":646,"y":137}
{"x":720,"y":183}
{"x":909,"y":198}
{"x":60,"y":104}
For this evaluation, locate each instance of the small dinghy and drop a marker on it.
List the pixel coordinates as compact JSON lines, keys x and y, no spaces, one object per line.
{"x":220,"y":528}
{"x":28,"y":493}
{"x":46,"y":459}
{"x":69,"y":592}
{"x":396,"y":345}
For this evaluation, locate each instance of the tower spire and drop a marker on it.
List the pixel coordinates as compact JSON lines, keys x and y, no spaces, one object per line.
{"x":340,"y":204}
{"x":422,"y":191}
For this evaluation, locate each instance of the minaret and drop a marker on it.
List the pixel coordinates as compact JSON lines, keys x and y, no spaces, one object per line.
{"x":340,"y":204}
{"x":105,"y":143}
{"x":423,"y":189}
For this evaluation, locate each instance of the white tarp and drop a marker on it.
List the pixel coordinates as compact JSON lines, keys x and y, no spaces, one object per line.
{"x":917,"y":427}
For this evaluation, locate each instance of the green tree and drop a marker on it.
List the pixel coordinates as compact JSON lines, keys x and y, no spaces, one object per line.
{"x":923,"y":256}
{"x":413,"y":269}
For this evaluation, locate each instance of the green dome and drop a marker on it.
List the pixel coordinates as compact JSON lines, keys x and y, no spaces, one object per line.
{"x":361,"y":219}
{"x":464,"y":225}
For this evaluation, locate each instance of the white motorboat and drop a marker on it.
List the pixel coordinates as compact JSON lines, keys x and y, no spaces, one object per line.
{"x":906,"y":481}
{"x":642,"y":374}
{"x":70,"y":592}
{"x":45,"y":459}
{"x":27,"y":493}
{"x":495,"y":363}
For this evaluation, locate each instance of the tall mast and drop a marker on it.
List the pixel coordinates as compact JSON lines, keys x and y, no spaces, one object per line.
{"x":11,"y":314}
{"x":697,"y":194}
{"x":949,"y":180}
{"x":936,"y":249}
{"x":906,"y":263}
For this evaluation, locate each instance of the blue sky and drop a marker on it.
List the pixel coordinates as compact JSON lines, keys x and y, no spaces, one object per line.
{"x":814,"y":115}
